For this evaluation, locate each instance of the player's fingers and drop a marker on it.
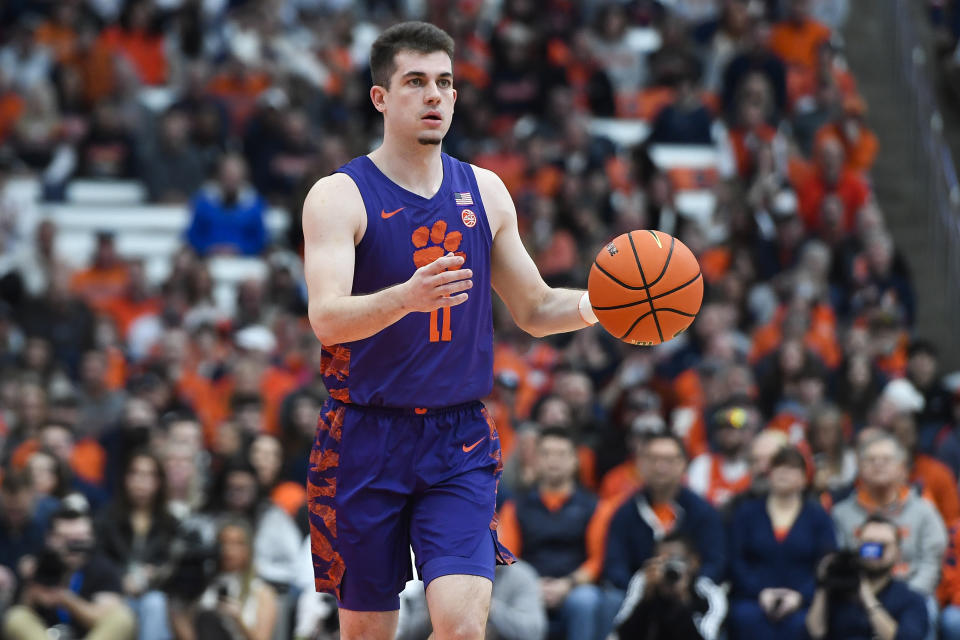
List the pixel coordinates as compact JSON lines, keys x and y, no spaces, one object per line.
{"x":452,"y":301}
{"x":454,"y":287}
{"x":443,"y":263}
{"x":452,"y":276}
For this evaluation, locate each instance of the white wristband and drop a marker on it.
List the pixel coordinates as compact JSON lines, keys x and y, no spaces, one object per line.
{"x":586,"y":310}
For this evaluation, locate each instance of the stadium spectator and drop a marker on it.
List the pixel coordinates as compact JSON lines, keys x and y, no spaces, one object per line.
{"x":827,"y":176}
{"x":556,"y":530}
{"x":755,"y":57}
{"x":882,"y":489}
{"x":776,"y":542}
{"x":859,"y":143}
{"x":664,"y":505}
{"x":835,"y":463}
{"x":875,"y":604}
{"x":516,"y":608}
{"x":797,"y":39}
{"x":172,"y":167}
{"x":21,"y":532}
{"x":684,"y":121}
{"x":668,"y":599}
{"x":723,"y":472}
{"x":71,"y":585}
{"x":928,"y":474}
{"x":228,"y":215}
{"x":134,"y":532}
{"x":236,"y":601}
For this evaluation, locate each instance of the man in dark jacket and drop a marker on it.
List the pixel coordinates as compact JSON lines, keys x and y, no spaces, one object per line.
{"x":669,"y":600}
{"x":663,"y":506}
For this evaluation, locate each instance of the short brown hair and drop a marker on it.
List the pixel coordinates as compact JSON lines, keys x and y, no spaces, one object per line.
{"x":421,"y":37}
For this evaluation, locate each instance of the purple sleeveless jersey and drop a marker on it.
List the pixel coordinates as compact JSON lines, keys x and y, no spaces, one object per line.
{"x":425,"y":360}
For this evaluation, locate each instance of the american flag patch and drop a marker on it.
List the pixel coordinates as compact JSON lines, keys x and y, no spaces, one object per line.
{"x":462,"y":199}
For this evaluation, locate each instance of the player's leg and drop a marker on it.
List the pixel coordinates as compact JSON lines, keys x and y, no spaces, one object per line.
{"x":368,"y":625}
{"x":450,"y":528}
{"x":359,"y":492}
{"x":458,"y":606}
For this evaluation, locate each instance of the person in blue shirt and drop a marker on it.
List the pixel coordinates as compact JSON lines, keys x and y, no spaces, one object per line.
{"x":776,"y":542}
{"x":873,"y":604}
{"x":228,"y":214}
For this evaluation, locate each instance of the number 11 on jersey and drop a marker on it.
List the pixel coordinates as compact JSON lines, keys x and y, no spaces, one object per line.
{"x":438,"y":334}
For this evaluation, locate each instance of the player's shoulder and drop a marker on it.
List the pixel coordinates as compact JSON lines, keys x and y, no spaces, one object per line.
{"x":492,"y":190}
{"x":336,"y":189}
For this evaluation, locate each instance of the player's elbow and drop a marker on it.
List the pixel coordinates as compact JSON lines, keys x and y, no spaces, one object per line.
{"x":534,"y":329}
{"x":324,"y":326}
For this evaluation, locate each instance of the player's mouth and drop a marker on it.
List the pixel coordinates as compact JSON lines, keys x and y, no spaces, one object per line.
{"x":432,"y":118}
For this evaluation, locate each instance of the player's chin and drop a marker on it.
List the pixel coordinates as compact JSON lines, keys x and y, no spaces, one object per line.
{"x":430,"y":139}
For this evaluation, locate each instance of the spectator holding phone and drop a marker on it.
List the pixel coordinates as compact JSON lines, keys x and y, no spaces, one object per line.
{"x":776,"y":541}
{"x":858,"y":598}
{"x":236,"y":604}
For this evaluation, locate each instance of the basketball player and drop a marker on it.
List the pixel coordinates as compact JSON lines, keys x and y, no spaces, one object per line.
{"x":402,"y":247}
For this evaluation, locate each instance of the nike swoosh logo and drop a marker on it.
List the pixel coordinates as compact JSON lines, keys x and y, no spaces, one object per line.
{"x":388,"y":214}
{"x":467,"y":449}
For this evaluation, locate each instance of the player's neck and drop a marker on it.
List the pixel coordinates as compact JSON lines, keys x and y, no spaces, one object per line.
{"x":415,"y":167}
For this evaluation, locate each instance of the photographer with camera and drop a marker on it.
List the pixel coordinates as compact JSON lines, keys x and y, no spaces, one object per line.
{"x":858,"y":598}
{"x":667,"y":599}
{"x":70,"y":588}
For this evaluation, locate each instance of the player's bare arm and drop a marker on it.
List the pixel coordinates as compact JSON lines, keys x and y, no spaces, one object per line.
{"x":334,"y":221}
{"x":536,"y":308}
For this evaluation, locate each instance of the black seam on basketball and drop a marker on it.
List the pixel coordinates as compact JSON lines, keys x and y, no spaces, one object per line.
{"x":659,"y":295}
{"x":685,"y":284}
{"x":614,"y":278}
{"x":663,"y":271}
{"x":678,"y":312}
{"x":646,"y":286}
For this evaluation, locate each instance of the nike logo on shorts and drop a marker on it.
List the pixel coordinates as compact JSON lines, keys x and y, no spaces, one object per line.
{"x":467,"y":449}
{"x":388,"y":214}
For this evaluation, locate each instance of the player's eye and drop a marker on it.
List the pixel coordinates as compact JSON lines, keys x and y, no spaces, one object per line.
{"x":445,"y":83}
{"x":416,"y":82}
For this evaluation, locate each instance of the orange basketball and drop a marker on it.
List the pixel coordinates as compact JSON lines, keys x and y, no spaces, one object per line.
{"x":645,"y":287}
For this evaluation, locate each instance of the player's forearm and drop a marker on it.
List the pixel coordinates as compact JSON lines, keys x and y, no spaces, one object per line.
{"x":557,"y":311}
{"x":348,"y":318}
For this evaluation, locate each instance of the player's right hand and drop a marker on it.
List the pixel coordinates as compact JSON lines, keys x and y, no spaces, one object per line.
{"x":442,"y":283}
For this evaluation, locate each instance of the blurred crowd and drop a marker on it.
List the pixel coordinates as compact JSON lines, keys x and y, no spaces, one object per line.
{"x":154,"y":448}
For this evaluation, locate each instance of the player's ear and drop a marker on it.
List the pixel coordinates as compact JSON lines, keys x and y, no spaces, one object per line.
{"x":454,"y":96}
{"x":377,"y":96}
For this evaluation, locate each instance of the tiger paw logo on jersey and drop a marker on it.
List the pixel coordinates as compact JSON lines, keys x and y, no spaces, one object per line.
{"x":431,"y":244}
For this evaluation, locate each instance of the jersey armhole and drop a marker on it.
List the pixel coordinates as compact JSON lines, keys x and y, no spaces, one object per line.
{"x":363,"y":190}
{"x":484,"y":222}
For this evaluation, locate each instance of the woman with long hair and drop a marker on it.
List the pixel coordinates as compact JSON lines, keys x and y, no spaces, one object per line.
{"x":135,"y":531}
{"x":776,"y":542}
{"x":237,"y":605}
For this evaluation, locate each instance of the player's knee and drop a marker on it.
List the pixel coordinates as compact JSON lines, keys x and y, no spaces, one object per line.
{"x":460,"y":630}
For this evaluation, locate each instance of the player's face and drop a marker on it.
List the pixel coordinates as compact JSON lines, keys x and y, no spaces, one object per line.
{"x":419,"y":102}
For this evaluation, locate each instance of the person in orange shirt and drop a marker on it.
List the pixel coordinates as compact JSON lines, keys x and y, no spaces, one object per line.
{"x":106,"y":278}
{"x":137,"y":39}
{"x":134,"y":302}
{"x":626,"y":478}
{"x":59,"y":34}
{"x":555,"y":528}
{"x":926,"y":472}
{"x":859,"y":143}
{"x":829,"y":175}
{"x":797,"y":39}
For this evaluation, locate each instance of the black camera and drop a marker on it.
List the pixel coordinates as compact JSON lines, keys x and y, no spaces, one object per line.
{"x":673,"y":570}
{"x":193,"y":566}
{"x":842,"y":574}
{"x":51,"y":569}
